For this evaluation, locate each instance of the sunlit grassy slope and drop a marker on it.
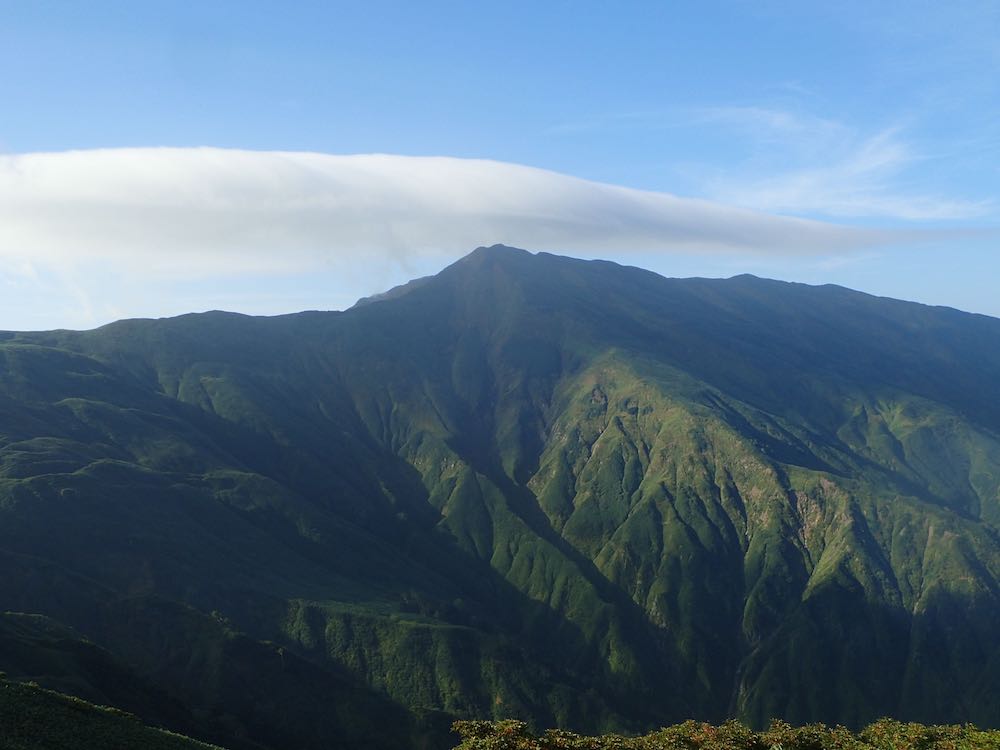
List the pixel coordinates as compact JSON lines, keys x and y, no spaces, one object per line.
{"x":530,"y":486}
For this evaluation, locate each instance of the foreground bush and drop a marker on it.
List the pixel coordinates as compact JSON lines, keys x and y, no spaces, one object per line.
{"x":884,"y":734}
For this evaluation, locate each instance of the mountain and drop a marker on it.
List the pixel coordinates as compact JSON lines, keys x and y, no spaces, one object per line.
{"x":37,"y":719}
{"x":531,"y":486}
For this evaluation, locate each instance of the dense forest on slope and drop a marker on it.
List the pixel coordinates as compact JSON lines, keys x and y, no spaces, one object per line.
{"x":572,"y":492}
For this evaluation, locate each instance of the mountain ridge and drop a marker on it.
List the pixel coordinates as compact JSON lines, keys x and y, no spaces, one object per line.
{"x":569,"y":491}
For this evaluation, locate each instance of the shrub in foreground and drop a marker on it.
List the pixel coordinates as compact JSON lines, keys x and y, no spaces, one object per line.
{"x":885,"y":734}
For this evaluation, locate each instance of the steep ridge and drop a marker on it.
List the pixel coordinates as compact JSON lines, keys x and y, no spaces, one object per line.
{"x":534,"y":486}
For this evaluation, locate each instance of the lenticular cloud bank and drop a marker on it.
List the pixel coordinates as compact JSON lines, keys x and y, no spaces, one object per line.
{"x":207,"y":211}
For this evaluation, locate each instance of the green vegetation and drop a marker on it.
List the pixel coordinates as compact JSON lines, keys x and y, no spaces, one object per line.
{"x":578,"y":494}
{"x":35,"y":719}
{"x":884,"y":734}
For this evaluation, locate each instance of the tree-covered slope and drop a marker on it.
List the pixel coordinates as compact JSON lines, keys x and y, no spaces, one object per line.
{"x":568,"y":491}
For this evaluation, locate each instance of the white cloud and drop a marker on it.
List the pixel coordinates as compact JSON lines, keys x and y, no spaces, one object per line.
{"x":776,"y":125}
{"x":189,"y":213}
{"x":818,"y":167}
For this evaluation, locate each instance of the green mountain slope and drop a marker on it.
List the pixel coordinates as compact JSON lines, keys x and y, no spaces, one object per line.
{"x":531,"y":486}
{"x":32,"y":718}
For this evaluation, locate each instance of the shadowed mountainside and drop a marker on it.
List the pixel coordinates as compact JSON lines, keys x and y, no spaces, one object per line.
{"x":531,"y":486}
{"x":32,"y":718}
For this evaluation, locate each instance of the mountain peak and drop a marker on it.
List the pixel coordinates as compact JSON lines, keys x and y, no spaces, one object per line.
{"x":755,"y":485}
{"x":476,"y":259}
{"x":498,"y":250}
{"x":493,"y":253}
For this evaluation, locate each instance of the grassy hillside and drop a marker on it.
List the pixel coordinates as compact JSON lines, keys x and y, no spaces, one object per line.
{"x":32,"y":718}
{"x":571,"y":492}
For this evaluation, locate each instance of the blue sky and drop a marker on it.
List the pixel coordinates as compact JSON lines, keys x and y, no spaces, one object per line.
{"x":877,"y":122}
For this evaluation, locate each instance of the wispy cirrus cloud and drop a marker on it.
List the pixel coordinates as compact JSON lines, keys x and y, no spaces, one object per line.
{"x":808,"y":165}
{"x":205,"y":211}
{"x":768,"y":123}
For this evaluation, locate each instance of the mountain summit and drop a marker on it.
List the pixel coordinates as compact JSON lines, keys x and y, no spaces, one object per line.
{"x":532,"y":486}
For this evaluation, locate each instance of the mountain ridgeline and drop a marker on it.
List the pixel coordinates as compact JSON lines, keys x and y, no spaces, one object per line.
{"x":569,"y":492}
